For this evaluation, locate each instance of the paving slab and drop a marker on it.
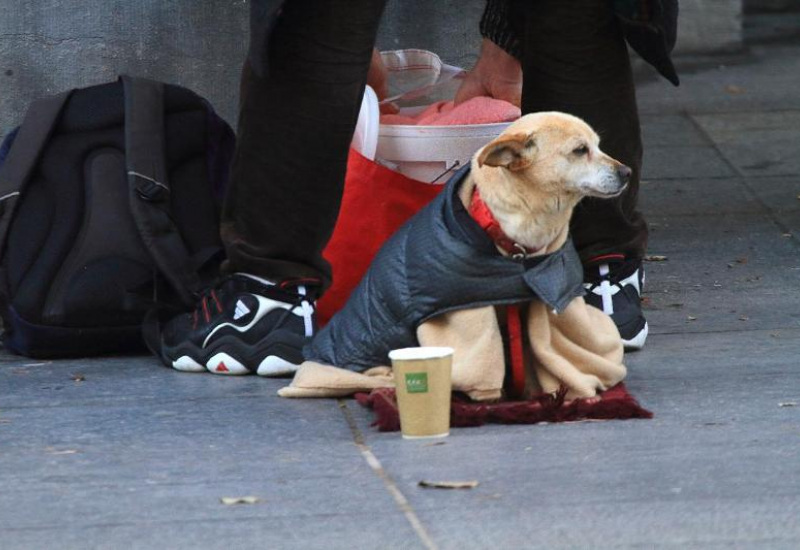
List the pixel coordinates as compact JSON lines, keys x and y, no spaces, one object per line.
{"x":323,"y":531}
{"x":672,"y":130}
{"x":718,"y":464}
{"x":133,"y":444}
{"x":779,"y":195}
{"x":762,"y":79}
{"x":663,"y":199}
{"x":757,"y":143}
{"x":724,"y":272}
{"x":684,"y":162}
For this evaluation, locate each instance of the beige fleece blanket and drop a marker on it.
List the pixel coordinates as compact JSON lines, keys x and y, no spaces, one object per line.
{"x":579,"y":348}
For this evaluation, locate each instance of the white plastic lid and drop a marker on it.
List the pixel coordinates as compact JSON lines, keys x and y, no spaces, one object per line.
{"x":418,"y":353}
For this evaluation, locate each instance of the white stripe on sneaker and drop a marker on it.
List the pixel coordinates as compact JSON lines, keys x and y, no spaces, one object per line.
{"x":265,"y":305}
{"x":308,"y":312}
{"x":606,"y":291}
{"x":255,"y":278}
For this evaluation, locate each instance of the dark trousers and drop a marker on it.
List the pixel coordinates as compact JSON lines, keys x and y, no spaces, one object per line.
{"x":575,"y":60}
{"x":296,"y":122}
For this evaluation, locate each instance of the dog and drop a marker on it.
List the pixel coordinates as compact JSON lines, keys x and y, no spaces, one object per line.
{"x":498,"y":234}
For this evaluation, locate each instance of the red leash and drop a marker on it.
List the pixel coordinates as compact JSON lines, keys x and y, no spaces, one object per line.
{"x":515,"y":343}
{"x":480,"y":213}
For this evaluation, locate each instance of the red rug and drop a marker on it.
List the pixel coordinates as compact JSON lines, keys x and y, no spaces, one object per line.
{"x":615,"y":403}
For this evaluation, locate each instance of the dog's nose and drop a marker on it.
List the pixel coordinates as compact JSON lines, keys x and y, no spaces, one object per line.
{"x":624,"y":173}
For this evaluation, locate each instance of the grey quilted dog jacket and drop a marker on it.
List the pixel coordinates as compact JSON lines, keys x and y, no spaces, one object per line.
{"x":439,"y":261}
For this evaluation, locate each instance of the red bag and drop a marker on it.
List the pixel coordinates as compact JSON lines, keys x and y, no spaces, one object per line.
{"x":376,"y":202}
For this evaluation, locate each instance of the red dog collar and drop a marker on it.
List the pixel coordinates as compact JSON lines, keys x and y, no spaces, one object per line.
{"x":481,"y":214}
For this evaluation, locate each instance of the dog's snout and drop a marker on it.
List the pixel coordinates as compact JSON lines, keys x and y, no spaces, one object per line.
{"x":624,"y":173}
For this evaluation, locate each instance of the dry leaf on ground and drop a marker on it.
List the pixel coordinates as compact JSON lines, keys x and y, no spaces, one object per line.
{"x":788,"y":404}
{"x":655,"y":258}
{"x":230,"y":501}
{"x":449,"y":484}
{"x":53,"y":451}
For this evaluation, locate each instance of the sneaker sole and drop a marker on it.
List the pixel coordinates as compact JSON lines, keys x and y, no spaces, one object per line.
{"x":273,"y":365}
{"x":224,"y":364}
{"x":184,"y":363}
{"x":637,"y":342}
{"x":232,"y":357}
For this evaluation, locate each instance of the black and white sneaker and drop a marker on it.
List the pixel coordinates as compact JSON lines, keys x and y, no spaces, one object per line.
{"x":614,"y":285}
{"x":244,"y":325}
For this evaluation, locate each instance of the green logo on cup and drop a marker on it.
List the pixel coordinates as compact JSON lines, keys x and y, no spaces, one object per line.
{"x":417,"y":382}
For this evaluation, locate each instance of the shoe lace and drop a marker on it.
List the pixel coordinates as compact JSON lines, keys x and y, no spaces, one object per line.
{"x":207,"y":300}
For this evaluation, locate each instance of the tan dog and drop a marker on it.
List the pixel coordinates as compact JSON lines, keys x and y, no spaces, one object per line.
{"x":530,"y":178}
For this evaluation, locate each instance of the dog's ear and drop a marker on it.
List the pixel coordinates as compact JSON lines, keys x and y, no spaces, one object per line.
{"x":511,"y":151}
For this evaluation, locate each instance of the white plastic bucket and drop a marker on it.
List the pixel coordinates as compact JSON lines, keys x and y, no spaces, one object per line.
{"x":431,"y":153}
{"x":423,"y":153}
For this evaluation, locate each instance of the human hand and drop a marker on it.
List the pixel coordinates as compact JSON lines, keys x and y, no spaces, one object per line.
{"x":497,"y":74}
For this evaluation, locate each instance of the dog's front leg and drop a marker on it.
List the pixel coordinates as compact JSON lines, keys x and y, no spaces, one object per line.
{"x":478,"y":367}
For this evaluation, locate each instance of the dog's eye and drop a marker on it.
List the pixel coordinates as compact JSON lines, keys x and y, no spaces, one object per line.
{"x":580,"y":151}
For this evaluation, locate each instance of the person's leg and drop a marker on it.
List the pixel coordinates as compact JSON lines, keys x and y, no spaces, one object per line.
{"x":575,"y":60}
{"x":299,"y":109}
{"x":295,"y":126}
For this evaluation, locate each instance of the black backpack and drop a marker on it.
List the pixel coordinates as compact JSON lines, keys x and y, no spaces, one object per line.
{"x":109,"y":205}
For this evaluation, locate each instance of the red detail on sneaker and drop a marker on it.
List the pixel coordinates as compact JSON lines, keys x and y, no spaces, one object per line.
{"x":300,"y":281}
{"x":222,"y":368}
{"x":216,"y":301}
{"x":598,"y":259}
{"x":206,"y":314}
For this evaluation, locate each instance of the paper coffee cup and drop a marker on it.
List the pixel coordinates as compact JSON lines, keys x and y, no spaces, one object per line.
{"x":422,"y":382}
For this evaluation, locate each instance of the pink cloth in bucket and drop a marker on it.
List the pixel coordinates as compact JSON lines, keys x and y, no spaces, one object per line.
{"x":478,"y":110}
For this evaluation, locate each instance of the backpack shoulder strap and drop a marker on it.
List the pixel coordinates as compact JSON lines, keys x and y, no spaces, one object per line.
{"x":149,"y":187}
{"x":36,"y":129}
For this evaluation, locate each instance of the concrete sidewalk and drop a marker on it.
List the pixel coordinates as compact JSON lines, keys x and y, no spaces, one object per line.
{"x":122,"y":453}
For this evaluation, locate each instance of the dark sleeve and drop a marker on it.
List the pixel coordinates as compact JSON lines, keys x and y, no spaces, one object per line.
{"x":496,"y":26}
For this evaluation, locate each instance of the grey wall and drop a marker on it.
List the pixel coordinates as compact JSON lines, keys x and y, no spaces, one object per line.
{"x":50,"y":45}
